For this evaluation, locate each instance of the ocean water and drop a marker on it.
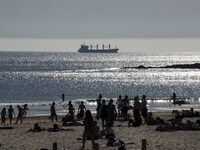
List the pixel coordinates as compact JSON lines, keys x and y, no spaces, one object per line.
{"x":38,"y":78}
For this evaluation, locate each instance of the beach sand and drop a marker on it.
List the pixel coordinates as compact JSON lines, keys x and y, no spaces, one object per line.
{"x":19,"y":139}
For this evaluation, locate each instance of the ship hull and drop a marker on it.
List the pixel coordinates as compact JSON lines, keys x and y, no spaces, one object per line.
{"x":99,"y":51}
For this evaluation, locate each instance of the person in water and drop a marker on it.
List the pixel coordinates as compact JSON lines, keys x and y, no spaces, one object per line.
{"x":63,"y":97}
{"x":174,"y":98}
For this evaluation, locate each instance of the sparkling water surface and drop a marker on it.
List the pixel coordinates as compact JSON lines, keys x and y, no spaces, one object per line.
{"x":38,"y":78}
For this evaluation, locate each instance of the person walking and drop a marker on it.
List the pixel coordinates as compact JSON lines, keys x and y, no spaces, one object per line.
{"x":20,"y":114}
{"x":10,"y":113}
{"x":3,"y":116}
{"x":89,"y":128}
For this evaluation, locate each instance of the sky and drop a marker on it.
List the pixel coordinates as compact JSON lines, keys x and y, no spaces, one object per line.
{"x":65,"y":24}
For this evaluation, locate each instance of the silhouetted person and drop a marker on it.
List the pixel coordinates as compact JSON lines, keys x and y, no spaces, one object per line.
{"x":119,"y":106}
{"x":10,"y":113}
{"x":100,"y":96}
{"x":53,"y":112}
{"x":37,"y":128}
{"x":144,"y":107}
{"x":81,"y":110}
{"x":71,"y":109}
{"x":25,"y":108}
{"x":98,"y":109}
{"x":3,"y":116}
{"x":89,"y":130}
{"x":104,"y":112}
{"x":20,"y":114}
{"x":112,"y":113}
{"x":109,"y":132}
{"x":97,"y":134}
{"x":125,"y":107}
{"x":136,"y":122}
{"x":174,"y":98}
{"x":136,"y":107}
{"x":63,"y":97}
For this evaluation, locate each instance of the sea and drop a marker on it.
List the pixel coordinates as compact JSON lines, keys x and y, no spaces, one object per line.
{"x":39,"y":78}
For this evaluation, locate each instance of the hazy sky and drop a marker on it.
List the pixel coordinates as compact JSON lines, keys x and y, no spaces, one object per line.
{"x":89,"y":19}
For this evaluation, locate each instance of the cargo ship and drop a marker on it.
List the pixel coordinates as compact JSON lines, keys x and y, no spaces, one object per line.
{"x":94,"y":49}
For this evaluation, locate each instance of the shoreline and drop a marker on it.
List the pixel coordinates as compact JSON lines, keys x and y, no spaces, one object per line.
{"x":152,"y":105}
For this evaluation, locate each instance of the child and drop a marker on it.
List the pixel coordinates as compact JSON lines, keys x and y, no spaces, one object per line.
{"x":109,"y":132}
{"x":81,"y":111}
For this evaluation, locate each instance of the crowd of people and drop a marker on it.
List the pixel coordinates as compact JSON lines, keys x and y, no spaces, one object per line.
{"x":22,"y":112}
{"x":107,"y":112}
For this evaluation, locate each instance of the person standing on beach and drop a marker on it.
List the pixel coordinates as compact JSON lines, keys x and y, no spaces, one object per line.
{"x":81,"y":111}
{"x":20,"y":114}
{"x":144,"y":107}
{"x":137,"y":107}
{"x":89,"y":129}
{"x":112,"y":113}
{"x":98,"y":109}
{"x":3,"y":116}
{"x":104,"y":113}
{"x":10,"y":113}
{"x":125,"y":107}
{"x":119,"y":106}
{"x":53,"y":112}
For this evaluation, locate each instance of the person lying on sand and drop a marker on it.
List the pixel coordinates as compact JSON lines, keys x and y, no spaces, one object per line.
{"x":150,"y":120}
{"x":112,"y":142}
{"x":57,"y":128}
{"x":36,"y":128}
{"x":175,"y":124}
{"x":68,"y":121}
{"x":165,"y":126}
{"x":186,"y":113}
{"x":7,"y":128}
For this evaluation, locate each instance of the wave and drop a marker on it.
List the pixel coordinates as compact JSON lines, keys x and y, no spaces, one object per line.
{"x":154,"y":105}
{"x":98,"y":70}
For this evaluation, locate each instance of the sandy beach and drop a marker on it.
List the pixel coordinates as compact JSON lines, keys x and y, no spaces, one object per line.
{"x":18,"y":138}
